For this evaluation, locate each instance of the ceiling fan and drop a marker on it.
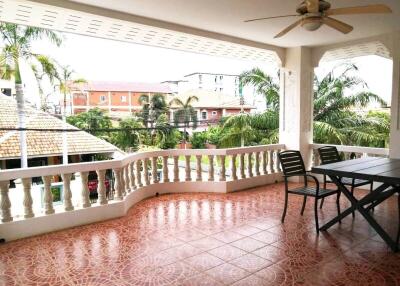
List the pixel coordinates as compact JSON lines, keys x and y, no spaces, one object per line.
{"x":315,"y":13}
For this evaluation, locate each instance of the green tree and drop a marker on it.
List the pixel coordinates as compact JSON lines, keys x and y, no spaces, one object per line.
{"x":17,"y":41}
{"x":335,"y":118}
{"x":91,"y":120}
{"x":131,"y":135}
{"x":199,"y":140}
{"x":153,"y":106}
{"x":185,"y":114}
{"x":166,"y":136}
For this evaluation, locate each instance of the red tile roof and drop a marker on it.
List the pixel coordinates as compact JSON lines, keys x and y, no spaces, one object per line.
{"x":125,"y":86}
{"x":40,"y":143}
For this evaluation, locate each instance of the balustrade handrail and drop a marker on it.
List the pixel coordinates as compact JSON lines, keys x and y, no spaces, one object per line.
{"x":11,"y":174}
{"x":356,"y":149}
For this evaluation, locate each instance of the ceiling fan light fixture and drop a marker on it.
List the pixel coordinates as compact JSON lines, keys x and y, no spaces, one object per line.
{"x":311,"y":24}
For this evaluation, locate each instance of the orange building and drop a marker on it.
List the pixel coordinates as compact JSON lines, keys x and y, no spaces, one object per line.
{"x":117,"y":98}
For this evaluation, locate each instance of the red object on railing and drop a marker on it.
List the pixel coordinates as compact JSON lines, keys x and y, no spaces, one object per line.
{"x":92,"y":185}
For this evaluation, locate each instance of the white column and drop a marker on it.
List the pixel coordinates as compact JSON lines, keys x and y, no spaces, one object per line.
{"x":139,"y":173}
{"x":176,"y":169}
{"x":85,"y":190}
{"x":233,"y":168}
{"x":154,"y":169}
{"x":394,"y":146}
{"x":127,"y":180}
{"x":132,"y":176}
{"x":48,"y":196}
{"x":199,"y":171}
{"x":296,"y":99}
{"x":188,"y":170}
{"x":5,"y":204}
{"x":165,"y":169}
{"x":117,"y":184}
{"x":146,"y":171}
{"x":211,"y":168}
{"x":28,"y":212}
{"x":222,"y":170}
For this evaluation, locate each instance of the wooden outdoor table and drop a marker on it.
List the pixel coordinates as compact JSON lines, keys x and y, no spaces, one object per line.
{"x":383,"y":170}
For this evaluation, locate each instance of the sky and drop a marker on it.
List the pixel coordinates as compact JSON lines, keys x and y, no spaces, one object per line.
{"x":101,"y":59}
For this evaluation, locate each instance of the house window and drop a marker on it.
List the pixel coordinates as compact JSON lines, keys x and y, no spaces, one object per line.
{"x":102,"y":98}
{"x":214,"y":113}
{"x":204,"y":115}
{"x":123,"y":98}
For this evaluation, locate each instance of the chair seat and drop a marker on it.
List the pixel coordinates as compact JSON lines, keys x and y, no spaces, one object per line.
{"x":349,"y":182}
{"x":311,"y":191}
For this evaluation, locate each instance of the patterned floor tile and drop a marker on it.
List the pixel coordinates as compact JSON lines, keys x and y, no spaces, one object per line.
{"x":227,"y":273}
{"x":251,"y":262}
{"x":203,"y":261}
{"x":228,"y":236}
{"x":227,"y":252}
{"x":248,"y":244}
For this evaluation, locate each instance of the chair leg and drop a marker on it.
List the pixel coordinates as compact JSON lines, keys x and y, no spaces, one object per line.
{"x":285,"y":208}
{"x":338,"y":204}
{"x":322,"y":203}
{"x":316,"y":215}
{"x":352,"y":193}
{"x":398,"y":230}
{"x":371,"y":188}
{"x":304,"y":205}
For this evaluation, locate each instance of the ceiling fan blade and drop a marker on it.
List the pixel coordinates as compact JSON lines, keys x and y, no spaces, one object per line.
{"x":337,"y":25}
{"x":288,"y":29}
{"x":370,"y":9}
{"x":274,"y":17}
{"x":312,"y":6}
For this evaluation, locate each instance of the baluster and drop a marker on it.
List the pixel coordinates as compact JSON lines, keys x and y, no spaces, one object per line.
{"x":67,"y":192}
{"x":211,"y":168}
{"x":101,"y":187}
{"x":264,"y":155}
{"x":122,"y":180}
{"x":316,"y":158}
{"x":165,"y":169}
{"x":48,"y":196}
{"x":117,"y":184}
{"x":176,"y":169}
{"x":276,"y":161}
{"x":188,"y":177}
{"x":132,"y":176}
{"x":242,"y":166}
{"x":139,"y":173}
{"x":5,"y":204}
{"x":279,"y":162}
{"x":257,"y":167}
{"x":127,"y":180}
{"x":154,"y":169}
{"x":85,"y":189}
{"x":27,"y":184}
{"x":249,"y":165}
{"x":233,"y":168}
{"x":271,"y":161}
{"x":146,"y":171}
{"x":199,"y":171}
{"x":222,"y":176}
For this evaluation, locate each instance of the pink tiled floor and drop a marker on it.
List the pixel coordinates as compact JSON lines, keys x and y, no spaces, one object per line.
{"x":209,"y":239}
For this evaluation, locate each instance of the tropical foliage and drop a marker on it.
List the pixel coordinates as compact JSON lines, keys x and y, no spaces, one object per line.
{"x":94,"y":121}
{"x":153,"y":106}
{"x":336,"y":116}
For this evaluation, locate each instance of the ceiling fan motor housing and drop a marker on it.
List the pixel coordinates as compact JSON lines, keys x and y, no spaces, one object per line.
{"x":323,"y":6}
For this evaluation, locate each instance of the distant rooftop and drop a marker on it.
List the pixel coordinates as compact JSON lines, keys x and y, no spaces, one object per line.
{"x":207,"y":73}
{"x":125,"y":86}
{"x":41,"y":143}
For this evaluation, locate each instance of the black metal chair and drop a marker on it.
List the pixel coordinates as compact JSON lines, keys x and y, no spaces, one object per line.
{"x":293,"y":165}
{"x":330,"y":154}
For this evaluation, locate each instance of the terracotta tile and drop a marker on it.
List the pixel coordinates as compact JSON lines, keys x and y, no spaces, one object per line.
{"x":228,"y":236}
{"x":206,"y":243}
{"x":246,"y":230}
{"x":200,"y":280}
{"x":251,"y":262}
{"x":252,"y":280}
{"x":248,"y":244}
{"x":271,"y":253}
{"x":227,"y":273}
{"x":266,"y":237}
{"x":227,"y":252}
{"x":203,"y":261}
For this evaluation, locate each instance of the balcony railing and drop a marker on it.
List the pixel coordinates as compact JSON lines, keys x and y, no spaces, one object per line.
{"x":28,"y":209}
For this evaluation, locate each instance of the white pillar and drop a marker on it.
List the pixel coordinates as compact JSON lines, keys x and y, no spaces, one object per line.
{"x":394,"y":147}
{"x":296,"y":99}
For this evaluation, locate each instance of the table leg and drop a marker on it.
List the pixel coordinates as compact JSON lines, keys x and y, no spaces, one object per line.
{"x":358,"y":204}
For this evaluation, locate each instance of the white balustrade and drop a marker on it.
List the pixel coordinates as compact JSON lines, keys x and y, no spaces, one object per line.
{"x":271,"y":161}
{"x":264,"y":162}
{"x":176,"y":169}
{"x":199,"y":171}
{"x":132,"y":179}
{"x":127,"y":180}
{"x":28,"y":202}
{"x":249,"y":165}
{"x":48,"y":196}
{"x":101,"y":187}
{"x":154,"y":171}
{"x":146,"y":171}
{"x":188,"y":170}
{"x":233,"y":168}
{"x":222,"y":171}
{"x":117,"y":184}
{"x":67,"y":192}
{"x":139,"y":173}
{"x":211,"y":168}
{"x":165,"y":169}
{"x":85,"y":189}
{"x":5,"y":204}
{"x":242,"y":166}
{"x":257,"y":163}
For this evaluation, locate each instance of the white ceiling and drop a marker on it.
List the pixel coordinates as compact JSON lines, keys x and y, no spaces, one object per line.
{"x":226,"y":17}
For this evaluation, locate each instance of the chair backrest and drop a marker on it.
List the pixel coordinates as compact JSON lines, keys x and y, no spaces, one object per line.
{"x":292,"y":162}
{"x":329,"y":154}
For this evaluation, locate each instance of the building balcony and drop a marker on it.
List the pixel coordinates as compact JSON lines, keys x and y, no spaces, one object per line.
{"x":214,"y":221}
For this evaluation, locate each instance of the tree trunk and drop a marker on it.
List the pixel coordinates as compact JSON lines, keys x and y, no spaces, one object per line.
{"x":64,"y":133}
{"x":21,"y":115}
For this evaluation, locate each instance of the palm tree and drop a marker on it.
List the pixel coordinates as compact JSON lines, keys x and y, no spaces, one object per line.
{"x":17,"y":42}
{"x":153,"y":107}
{"x":335,"y":121}
{"x":66,"y":81}
{"x":264,"y":84}
{"x":185,"y":114}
